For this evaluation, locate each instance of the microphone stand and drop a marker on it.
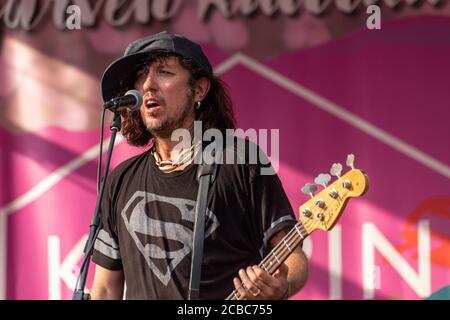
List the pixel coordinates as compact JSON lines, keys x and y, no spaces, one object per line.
{"x":78,"y":293}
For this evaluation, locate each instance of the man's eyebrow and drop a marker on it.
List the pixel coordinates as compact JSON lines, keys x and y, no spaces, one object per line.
{"x":166,"y":64}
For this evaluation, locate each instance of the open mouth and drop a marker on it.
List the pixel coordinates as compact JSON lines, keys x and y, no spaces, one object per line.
{"x":152,"y":104}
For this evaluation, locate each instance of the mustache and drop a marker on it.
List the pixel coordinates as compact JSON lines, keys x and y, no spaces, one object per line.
{"x":148,"y":95}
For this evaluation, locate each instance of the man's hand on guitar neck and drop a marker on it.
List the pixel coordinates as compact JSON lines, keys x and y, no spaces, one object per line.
{"x":254,"y":283}
{"x":257,"y":284}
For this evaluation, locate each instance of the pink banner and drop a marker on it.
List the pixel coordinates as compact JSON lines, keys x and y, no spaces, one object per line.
{"x":380,"y":94}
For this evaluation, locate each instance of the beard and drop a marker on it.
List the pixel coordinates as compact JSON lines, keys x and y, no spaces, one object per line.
{"x":165,"y":128}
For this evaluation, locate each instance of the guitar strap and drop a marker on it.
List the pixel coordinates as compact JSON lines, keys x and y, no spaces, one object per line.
{"x":206,"y":174}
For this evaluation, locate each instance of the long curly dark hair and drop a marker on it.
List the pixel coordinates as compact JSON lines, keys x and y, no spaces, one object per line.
{"x":216,"y":111}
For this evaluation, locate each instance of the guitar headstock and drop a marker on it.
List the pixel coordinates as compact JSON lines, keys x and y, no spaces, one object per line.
{"x":323,"y":210}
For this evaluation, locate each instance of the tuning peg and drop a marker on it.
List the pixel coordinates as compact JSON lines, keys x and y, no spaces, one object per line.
{"x":309,"y":189}
{"x":351,"y":161}
{"x":322,"y":179}
{"x":336,"y":170}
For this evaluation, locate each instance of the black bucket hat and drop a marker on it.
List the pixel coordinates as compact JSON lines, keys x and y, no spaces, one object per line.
{"x":119,"y":76}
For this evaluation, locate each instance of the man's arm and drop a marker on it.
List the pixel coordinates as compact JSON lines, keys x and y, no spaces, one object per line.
{"x":296,"y":264}
{"x":107,"y":284}
{"x":255,"y":283}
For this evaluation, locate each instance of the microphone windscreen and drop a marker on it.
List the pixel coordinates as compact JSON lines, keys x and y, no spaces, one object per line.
{"x":138,"y":97}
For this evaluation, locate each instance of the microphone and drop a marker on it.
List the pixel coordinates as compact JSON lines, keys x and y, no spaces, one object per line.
{"x":132,"y":100}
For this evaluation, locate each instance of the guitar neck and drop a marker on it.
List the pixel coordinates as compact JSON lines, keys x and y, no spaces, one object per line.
{"x":279,"y":253}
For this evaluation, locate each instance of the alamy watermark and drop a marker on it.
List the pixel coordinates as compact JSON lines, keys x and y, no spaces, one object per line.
{"x":374,"y":20}
{"x":236,"y":146}
{"x":73,"y":21}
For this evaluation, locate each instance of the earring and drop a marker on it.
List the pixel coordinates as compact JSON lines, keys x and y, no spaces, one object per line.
{"x":199,"y":103}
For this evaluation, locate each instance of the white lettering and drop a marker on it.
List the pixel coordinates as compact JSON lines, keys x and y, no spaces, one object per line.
{"x":28,"y":14}
{"x":317,"y":6}
{"x":420,"y":282}
{"x":21,"y":14}
{"x":203,"y":311}
{"x":74,"y":20}
{"x":347,"y":6}
{"x":374,"y":21}
{"x":62,"y":271}
{"x":335,"y":262}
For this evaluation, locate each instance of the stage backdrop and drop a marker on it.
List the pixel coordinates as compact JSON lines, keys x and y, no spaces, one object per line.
{"x":313,"y":70}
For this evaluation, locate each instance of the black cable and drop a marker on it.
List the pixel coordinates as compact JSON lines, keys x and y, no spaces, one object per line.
{"x":99,"y":166}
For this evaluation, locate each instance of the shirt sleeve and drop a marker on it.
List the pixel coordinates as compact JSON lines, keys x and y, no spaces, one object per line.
{"x":106,"y":247}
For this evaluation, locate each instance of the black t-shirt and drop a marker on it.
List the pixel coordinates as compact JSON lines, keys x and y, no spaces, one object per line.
{"x":148,"y":218}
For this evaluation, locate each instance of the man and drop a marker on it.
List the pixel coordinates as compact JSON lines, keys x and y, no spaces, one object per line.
{"x":148,"y":208}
